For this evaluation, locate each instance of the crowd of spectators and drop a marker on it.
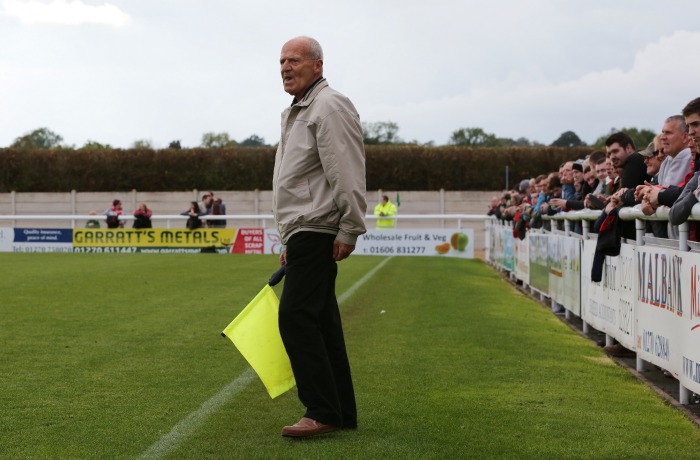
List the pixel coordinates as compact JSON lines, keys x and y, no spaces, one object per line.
{"x":663,"y":173}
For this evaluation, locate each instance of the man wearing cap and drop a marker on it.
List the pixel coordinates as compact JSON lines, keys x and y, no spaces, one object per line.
{"x":653,"y":156}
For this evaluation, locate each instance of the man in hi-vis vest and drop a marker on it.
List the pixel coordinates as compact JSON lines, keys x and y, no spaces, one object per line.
{"x":385,"y":208}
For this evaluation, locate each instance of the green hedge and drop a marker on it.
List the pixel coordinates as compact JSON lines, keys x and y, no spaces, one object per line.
{"x":388,"y":167}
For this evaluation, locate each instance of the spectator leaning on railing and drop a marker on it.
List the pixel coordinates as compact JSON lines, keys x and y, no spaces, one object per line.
{"x":683,"y":206}
{"x":621,"y":152}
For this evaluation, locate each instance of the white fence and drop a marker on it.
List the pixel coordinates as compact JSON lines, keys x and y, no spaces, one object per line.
{"x":648,"y":299}
{"x":79,"y":220}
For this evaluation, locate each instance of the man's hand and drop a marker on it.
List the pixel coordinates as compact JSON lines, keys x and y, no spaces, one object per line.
{"x":647,"y":208}
{"x":560,"y":202}
{"x":641,"y":190}
{"x":283,"y":257}
{"x":653,"y":196}
{"x":341,"y":250}
{"x":615,"y":200}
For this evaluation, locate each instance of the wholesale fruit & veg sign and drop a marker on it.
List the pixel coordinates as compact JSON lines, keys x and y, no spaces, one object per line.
{"x":430,"y":242}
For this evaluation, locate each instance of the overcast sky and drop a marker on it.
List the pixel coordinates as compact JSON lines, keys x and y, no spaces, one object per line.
{"x":163,"y":70}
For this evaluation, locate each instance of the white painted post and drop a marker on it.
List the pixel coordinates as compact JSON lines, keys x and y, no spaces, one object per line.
{"x":73,"y":208}
{"x":134,"y":200}
{"x":586,"y":235}
{"x":442,"y":206}
{"x":13,"y":199}
{"x":640,"y":227}
{"x":256,"y":202}
{"x":683,"y":232}
{"x":683,"y":394}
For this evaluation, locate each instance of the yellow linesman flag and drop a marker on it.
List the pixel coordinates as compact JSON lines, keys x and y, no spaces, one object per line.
{"x":255,"y":332}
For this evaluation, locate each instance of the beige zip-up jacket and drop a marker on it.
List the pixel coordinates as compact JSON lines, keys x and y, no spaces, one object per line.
{"x":319,"y":178}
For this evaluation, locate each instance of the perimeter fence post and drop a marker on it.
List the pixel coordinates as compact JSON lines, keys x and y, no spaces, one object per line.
{"x":640,"y":227}
{"x":586,"y":225}
{"x":683,"y":232}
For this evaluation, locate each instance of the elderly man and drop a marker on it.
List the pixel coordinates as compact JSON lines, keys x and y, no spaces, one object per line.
{"x":318,"y":200}
{"x":676,"y":143}
{"x":676,"y":168}
{"x":566,"y":177}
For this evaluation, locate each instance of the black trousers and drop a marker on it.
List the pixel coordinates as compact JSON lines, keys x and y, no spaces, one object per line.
{"x":312,"y":332}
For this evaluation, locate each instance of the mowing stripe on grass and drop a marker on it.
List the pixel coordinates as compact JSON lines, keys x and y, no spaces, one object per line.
{"x":167,"y":444}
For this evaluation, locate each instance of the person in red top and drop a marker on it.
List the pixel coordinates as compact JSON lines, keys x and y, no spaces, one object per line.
{"x":113,"y":214}
{"x":142,"y":217}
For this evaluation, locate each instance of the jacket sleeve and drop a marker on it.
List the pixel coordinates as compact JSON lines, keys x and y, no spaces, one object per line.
{"x":574,"y":205}
{"x":669,"y":195}
{"x":683,"y":206}
{"x":635,"y":172}
{"x":342,"y":154}
{"x":628,"y":197}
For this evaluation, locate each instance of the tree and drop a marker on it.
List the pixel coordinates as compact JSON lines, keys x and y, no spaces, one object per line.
{"x":640,"y":137}
{"x":254,"y":141}
{"x":42,"y":138}
{"x":381,"y":132}
{"x":94,"y":145}
{"x":217,"y":140}
{"x":523,"y":142}
{"x":175,"y":145}
{"x":568,"y":139}
{"x":142,"y":144}
{"x":473,"y":137}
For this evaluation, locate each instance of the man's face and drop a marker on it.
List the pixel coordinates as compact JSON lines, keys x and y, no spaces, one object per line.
{"x":589,"y":177}
{"x":577,"y":175}
{"x":601,"y":171}
{"x":617,"y":154}
{"x":653,"y":165}
{"x":673,"y":138}
{"x":297,"y":69}
{"x":567,"y":176}
{"x":693,"y":122}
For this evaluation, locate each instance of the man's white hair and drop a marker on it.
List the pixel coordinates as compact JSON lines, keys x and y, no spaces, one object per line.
{"x":315,"y":50}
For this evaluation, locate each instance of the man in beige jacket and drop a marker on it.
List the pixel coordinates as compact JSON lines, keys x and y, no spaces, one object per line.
{"x":319,"y":206}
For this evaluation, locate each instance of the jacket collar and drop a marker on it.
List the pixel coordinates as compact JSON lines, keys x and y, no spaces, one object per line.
{"x":311,"y":92}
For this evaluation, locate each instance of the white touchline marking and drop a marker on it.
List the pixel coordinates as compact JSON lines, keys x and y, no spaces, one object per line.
{"x":185,"y":427}
{"x":345,"y":295}
{"x":167,"y":444}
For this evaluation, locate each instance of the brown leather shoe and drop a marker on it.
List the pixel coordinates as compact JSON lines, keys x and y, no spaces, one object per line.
{"x":307,"y":427}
